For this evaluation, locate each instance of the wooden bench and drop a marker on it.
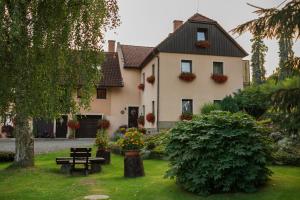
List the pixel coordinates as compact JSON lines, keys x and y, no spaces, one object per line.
{"x":80,"y":156}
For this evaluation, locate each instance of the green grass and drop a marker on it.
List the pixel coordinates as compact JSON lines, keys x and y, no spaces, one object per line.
{"x":45,"y":182}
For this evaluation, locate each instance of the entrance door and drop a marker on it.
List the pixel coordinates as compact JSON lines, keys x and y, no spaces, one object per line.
{"x":133,"y":114}
{"x":88,"y":126}
{"x":43,"y":128}
{"x":62,"y":127}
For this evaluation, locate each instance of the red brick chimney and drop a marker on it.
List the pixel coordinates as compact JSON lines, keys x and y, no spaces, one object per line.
{"x":111,"y":45}
{"x":177,"y":24}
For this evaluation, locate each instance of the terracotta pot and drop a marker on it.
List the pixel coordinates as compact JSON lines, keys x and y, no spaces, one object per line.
{"x":132,"y":153}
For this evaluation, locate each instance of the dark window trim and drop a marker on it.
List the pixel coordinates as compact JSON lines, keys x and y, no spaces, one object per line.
{"x":203,"y":30}
{"x":187,"y":61}
{"x":192,"y":105}
{"x":153,"y":70}
{"x":99,"y":96}
{"x":153,"y":107}
{"x":143,"y":81}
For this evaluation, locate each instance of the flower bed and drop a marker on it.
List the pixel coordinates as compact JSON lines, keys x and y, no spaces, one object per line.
{"x":141,"y":86}
{"x":203,"y":44}
{"x":219,"y":78}
{"x":188,"y":77}
{"x":150,"y":118}
{"x":151,"y":79}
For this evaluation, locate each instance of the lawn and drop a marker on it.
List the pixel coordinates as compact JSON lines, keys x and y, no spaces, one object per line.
{"x":45,"y":182}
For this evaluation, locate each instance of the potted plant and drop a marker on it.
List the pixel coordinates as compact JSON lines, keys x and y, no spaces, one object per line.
{"x":186,"y":116}
{"x":73,"y":125}
{"x":187,"y":76}
{"x":203,"y":44}
{"x":141,"y":120}
{"x":132,"y":143}
{"x":151,"y":79}
{"x":150,"y":117}
{"x":219,"y":78}
{"x":103,"y":124}
{"x":141,"y":86}
{"x":101,"y":143}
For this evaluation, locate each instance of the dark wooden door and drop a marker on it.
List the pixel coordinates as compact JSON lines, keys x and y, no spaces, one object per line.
{"x":62,"y":127}
{"x":43,"y":128}
{"x":88,"y":126}
{"x":133,"y":114}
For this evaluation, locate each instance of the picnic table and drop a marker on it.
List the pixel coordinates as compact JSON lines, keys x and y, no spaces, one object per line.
{"x":80,"y":157}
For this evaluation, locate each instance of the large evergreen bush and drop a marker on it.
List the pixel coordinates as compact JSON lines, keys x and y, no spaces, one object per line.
{"x":219,"y":152}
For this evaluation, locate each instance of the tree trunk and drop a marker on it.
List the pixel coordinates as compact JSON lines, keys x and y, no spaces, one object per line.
{"x":24,"y":143}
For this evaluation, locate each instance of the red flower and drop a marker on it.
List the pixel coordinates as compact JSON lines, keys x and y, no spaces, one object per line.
{"x":73,"y":124}
{"x":104,"y":124}
{"x":150,"y":117}
{"x":151,"y":79}
{"x":203,"y":44}
{"x":186,"y":116}
{"x":218,"y":78}
{"x":187,"y":76}
{"x":141,"y":86}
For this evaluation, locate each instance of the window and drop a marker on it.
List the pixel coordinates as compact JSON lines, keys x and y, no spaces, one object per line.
{"x":186,"y":66}
{"x":218,"y":68}
{"x":153,"y":70}
{"x":101,"y":93}
{"x":79,"y":92}
{"x":143,"y":81}
{"x":144,"y":111}
{"x":187,"y":106}
{"x":202,"y":35}
{"x":217,"y":101}
{"x":153,"y":107}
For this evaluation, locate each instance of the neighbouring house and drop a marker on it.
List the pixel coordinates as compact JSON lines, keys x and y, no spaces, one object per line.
{"x":198,"y":63}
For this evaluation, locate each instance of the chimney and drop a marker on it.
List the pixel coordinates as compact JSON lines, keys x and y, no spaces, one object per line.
{"x":111,"y":45}
{"x":177,"y":24}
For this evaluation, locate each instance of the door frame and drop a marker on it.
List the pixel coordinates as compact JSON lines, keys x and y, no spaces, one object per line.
{"x":138,"y":107}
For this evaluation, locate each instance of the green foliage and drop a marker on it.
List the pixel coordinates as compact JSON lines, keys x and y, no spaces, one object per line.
{"x":229,"y":104}
{"x":259,"y":50}
{"x":219,"y":152}
{"x":133,"y":140}
{"x":285,"y":54}
{"x":155,"y":145}
{"x":208,"y":107}
{"x":101,"y":139}
{"x":6,"y":156}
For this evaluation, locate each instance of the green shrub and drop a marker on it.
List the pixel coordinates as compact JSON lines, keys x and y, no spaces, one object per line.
{"x":229,"y":104}
{"x":219,"y":152}
{"x":282,"y":157}
{"x":115,"y":148}
{"x":208,"y":107}
{"x":6,"y":156}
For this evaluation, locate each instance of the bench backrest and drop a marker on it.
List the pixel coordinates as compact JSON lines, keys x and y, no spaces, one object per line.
{"x":81,"y":153}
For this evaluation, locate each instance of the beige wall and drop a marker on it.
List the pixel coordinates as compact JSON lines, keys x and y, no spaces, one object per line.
{"x":202,"y":89}
{"x":150,"y":92}
{"x":99,"y":106}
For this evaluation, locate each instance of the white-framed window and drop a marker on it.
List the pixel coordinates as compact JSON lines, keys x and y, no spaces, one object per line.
{"x":187,"y":106}
{"x":186,"y":66}
{"x":218,"y":68}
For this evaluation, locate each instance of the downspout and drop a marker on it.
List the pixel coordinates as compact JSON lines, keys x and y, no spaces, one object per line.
{"x":157,"y":104}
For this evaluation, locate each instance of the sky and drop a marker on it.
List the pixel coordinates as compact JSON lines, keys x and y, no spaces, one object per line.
{"x":148,"y":22}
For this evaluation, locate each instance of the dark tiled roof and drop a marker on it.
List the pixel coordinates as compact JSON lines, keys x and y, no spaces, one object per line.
{"x":111,"y":71}
{"x":201,"y":18}
{"x":135,"y":55}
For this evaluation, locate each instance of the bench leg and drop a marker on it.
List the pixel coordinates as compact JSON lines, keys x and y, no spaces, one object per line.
{"x":95,"y":167}
{"x":65,"y":168}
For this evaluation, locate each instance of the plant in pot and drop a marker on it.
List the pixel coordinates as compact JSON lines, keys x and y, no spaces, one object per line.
{"x":132,"y":143}
{"x":103,"y":124}
{"x":187,"y":76}
{"x":151,"y":79}
{"x":150,"y":117}
{"x":203,"y":44}
{"x":101,"y":143}
{"x":141,"y":120}
{"x":141,"y":86}
{"x":73,"y":125}
{"x":219,"y":78}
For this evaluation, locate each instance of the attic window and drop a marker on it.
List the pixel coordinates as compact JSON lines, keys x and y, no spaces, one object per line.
{"x":202,"y":34}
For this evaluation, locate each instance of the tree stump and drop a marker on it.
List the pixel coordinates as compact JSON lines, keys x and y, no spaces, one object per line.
{"x":133,"y":166}
{"x":104,"y":154}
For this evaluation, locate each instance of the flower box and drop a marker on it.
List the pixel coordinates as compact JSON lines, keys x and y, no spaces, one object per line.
{"x":186,"y":116}
{"x":150,"y":117}
{"x":218,"y":78}
{"x":151,"y":79}
{"x":141,"y":86}
{"x":188,"y":77}
{"x":203,"y":44}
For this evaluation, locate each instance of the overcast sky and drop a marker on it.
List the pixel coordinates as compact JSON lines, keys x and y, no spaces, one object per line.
{"x":148,"y":22}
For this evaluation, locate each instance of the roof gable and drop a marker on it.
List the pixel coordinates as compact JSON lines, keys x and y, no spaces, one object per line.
{"x":134,"y":55}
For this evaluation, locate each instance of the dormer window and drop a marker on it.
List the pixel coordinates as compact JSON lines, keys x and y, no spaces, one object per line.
{"x":202,"y":35}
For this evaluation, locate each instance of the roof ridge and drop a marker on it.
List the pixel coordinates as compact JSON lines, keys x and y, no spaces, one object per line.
{"x":196,"y":17}
{"x":135,"y":45}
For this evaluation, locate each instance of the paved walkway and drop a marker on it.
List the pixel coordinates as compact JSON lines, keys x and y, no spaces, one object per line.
{"x":48,"y":145}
